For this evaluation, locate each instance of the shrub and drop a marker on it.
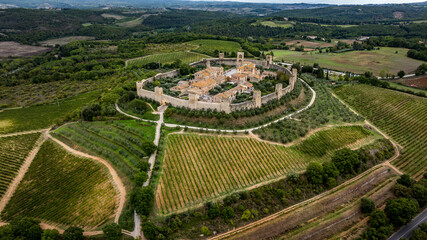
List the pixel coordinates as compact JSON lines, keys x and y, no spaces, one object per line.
{"x":112,"y":231}
{"x":405,"y":180}
{"x":401,"y":211}
{"x":246,"y":215}
{"x":205,"y":231}
{"x":150,"y":230}
{"x":315,"y":173}
{"x":140,"y":178}
{"x":213,"y":210}
{"x":73,"y":233}
{"x":367,"y":205}
{"x":228,"y":212}
{"x":50,"y":234}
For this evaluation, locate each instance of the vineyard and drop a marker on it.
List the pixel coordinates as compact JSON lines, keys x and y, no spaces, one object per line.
{"x":401,"y":116}
{"x":326,"y":110}
{"x":167,"y":58}
{"x":201,"y":167}
{"x":123,"y":143}
{"x":13,"y":152}
{"x":63,"y":190}
{"x":41,"y":116}
{"x":212,"y":47}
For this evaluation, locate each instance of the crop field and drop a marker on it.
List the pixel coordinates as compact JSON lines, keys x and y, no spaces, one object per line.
{"x":401,"y":116}
{"x":119,"y":142}
{"x":167,"y":58}
{"x":14,"y":49}
{"x":385,"y":59}
{"x":309,"y":44}
{"x":13,"y":152}
{"x":202,"y":167}
{"x":63,"y":190}
{"x":41,"y":116}
{"x":208,"y":46}
{"x":281,"y":24}
{"x":419,"y":82}
{"x":65,"y":40}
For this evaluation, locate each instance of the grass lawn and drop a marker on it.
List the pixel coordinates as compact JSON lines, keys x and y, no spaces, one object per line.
{"x":356,"y":61}
{"x":208,"y":46}
{"x":41,"y":116}
{"x":281,"y":24}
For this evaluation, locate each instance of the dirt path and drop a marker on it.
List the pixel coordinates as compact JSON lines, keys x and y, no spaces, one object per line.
{"x":115,"y":177}
{"x":21,"y":173}
{"x":21,"y":133}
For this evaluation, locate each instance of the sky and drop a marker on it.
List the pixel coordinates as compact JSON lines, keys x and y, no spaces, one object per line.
{"x":326,"y":1}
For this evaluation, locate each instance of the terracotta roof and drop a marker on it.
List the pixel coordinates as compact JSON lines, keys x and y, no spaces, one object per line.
{"x":204,"y":83}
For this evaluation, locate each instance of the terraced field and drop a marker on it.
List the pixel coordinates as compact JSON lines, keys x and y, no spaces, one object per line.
{"x":123,"y":143}
{"x":63,"y":190}
{"x":201,"y":167}
{"x":167,"y":58}
{"x":13,"y":152}
{"x":209,"y":46}
{"x":401,"y":116}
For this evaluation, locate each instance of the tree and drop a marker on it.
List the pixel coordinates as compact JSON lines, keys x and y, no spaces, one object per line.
{"x":73,"y":233}
{"x":205,"y":231}
{"x":315,"y":173}
{"x":420,"y":233}
{"x":367,"y":205}
{"x":329,"y":171}
{"x":91,"y":111}
{"x":419,"y":192}
{"x":150,"y":230}
{"x":140,"y":178}
{"x":213,"y":211}
{"x":320,"y":74}
{"x":50,"y":234}
{"x":142,"y":200}
{"x":345,"y":160}
{"x":148,"y":147}
{"x":405,"y":180}
{"x":22,"y":228}
{"x":112,"y":231}
{"x":228,"y":213}
{"x":377,"y":219}
{"x":401,"y":211}
{"x":401,"y":73}
{"x":402,"y":191}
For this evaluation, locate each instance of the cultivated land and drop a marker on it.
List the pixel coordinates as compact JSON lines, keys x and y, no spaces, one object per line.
{"x":355,"y":61}
{"x":65,"y":40}
{"x":202,"y":167}
{"x":13,"y":152}
{"x":401,"y":116}
{"x":413,"y":82}
{"x":309,"y":44}
{"x":120,"y":142}
{"x":167,"y":58}
{"x":281,"y":24}
{"x":323,"y":215}
{"x":208,"y":46}
{"x":41,"y":116}
{"x":13,"y":49}
{"x":62,"y":190}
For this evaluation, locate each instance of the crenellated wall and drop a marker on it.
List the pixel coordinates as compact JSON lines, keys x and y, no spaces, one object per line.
{"x":193,"y":102}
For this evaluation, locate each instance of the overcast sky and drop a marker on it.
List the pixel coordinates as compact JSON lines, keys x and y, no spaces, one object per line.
{"x":326,"y":1}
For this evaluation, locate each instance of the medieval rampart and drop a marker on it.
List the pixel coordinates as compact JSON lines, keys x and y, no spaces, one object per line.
{"x":227,"y":107}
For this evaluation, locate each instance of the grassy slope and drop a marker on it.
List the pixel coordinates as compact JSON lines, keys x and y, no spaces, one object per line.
{"x":167,"y":58}
{"x":356,"y":61}
{"x":41,"y":116}
{"x":402,"y":116}
{"x":198,"y":167}
{"x":63,"y":190}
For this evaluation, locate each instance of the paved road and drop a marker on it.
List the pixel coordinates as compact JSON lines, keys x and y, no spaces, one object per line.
{"x":406,"y":231}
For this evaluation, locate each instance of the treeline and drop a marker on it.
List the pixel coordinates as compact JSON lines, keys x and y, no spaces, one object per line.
{"x":29,"y":229}
{"x":358,"y":13}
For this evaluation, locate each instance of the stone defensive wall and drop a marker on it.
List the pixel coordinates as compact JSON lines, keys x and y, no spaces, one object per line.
{"x":193,"y":103}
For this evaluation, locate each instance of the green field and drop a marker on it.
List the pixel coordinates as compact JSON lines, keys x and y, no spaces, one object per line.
{"x":355,"y":61}
{"x":167,"y":58}
{"x":121,"y":142}
{"x":63,"y":190}
{"x":41,"y":116}
{"x":401,"y":116}
{"x":281,"y":24}
{"x":13,"y":152}
{"x":197,"y":168}
{"x":208,"y":46}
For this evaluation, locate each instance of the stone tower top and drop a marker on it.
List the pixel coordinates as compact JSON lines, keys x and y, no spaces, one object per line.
{"x":240,"y":59}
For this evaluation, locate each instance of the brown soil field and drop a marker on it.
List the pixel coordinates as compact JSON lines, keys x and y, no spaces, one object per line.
{"x":64,"y":40}
{"x":14,"y":49}
{"x":416,"y":82}
{"x":309,"y":44}
{"x":297,"y":216}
